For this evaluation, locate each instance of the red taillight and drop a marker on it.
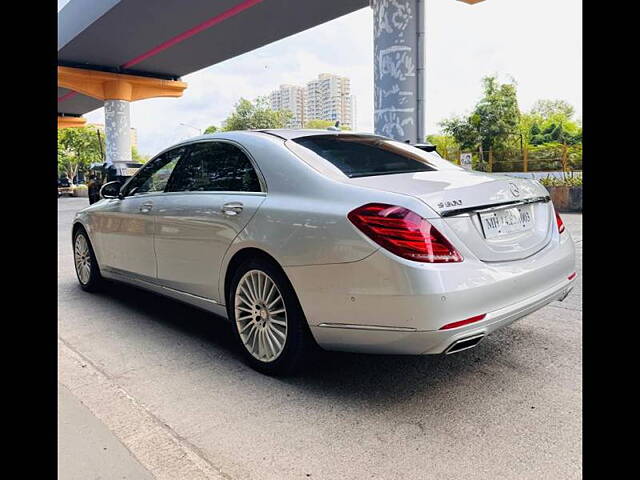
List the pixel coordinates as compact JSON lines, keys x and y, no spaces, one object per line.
{"x":404,"y":233}
{"x":572,"y":276}
{"x":560,"y":223}
{"x":477,"y":318}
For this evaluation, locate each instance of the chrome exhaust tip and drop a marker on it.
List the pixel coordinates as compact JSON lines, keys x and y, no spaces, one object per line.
{"x":464,"y":344}
{"x":565,"y":294}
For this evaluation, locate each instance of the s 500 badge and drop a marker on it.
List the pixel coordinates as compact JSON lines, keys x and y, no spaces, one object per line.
{"x":450,"y":203}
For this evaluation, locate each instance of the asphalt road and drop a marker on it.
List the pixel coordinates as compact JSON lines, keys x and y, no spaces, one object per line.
{"x":167,"y":381}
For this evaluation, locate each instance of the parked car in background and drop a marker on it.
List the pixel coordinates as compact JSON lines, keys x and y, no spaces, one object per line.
{"x":352,"y":242}
{"x":64,"y":187}
{"x":101,"y":173}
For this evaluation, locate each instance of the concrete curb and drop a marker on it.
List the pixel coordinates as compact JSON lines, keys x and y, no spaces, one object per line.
{"x":87,"y":448}
{"x":158,"y":448}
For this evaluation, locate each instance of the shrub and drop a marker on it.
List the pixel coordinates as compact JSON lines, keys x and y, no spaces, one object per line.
{"x":567,"y":180}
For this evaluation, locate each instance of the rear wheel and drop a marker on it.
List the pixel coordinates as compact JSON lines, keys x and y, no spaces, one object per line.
{"x":87,"y":269}
{"x":267,"y":318}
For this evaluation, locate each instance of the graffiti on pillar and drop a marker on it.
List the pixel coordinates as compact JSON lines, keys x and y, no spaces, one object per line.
{"x":393,"y":125}
{"x":392,"y":16}
{"x":396,"y":61}
{"x":117,"y":132}
{"x":394,"y":68}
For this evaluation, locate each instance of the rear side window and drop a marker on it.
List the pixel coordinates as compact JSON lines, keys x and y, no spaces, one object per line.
{"x":215,"y":167}
{"x":363,"y":155}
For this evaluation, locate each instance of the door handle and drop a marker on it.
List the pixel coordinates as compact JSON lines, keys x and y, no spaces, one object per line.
{"x":232,"y":208}
{"x":146,"y":207}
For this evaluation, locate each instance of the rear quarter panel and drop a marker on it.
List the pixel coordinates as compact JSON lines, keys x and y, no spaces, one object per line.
{"x":303,"y":220}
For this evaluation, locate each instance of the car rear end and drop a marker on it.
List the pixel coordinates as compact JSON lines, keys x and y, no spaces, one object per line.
{"x":460,"y":254}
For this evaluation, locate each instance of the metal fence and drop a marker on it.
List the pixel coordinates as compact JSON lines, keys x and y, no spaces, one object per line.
{"x":562,"y":158}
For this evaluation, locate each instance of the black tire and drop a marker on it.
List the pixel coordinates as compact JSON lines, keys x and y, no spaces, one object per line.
{"x":94,"y":281}
{"x":299,"y":341}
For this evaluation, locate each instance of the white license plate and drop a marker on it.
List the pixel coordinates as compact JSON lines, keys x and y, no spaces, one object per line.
{"x":504,"y":222}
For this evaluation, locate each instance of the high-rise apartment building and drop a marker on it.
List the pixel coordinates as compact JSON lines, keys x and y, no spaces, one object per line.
{"x":326,"y":98}
{"x":291,"y":98}
{"x":329,"y":98}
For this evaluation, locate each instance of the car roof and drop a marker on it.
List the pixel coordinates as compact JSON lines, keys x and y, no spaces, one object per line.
{"x":290,"y":133}
{"x":282,"y":133}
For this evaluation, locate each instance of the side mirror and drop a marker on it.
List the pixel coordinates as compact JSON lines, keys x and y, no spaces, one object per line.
{"x":110,"y":189}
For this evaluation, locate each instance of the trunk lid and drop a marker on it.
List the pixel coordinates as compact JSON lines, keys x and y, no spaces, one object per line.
{"x":468,"y":200}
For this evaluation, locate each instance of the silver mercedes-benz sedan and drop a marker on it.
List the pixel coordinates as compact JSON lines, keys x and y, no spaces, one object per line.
{"x":352,"y":242}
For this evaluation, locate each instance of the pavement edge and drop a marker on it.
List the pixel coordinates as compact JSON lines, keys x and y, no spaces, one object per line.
{"x":158,"y":448}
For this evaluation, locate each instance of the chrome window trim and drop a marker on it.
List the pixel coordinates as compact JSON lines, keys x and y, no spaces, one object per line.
{"x":216,"y":192}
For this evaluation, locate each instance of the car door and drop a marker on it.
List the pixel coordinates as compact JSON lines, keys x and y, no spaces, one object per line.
{"x":210,"y":198}
{"x":126,"y":226}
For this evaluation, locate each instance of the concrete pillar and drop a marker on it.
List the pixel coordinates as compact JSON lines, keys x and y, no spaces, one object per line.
{"x":117,"y":134}
{"x":399,"y":80}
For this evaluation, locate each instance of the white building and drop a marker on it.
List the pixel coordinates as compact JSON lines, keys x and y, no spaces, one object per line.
{"x":291,"y":98}
{"x":329,"y":98}
{"x":326,"y":98}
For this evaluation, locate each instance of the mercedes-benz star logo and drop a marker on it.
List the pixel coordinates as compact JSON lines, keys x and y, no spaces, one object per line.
{"x":514,"y":190}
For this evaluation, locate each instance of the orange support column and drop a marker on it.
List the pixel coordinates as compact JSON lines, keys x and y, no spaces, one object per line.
{"x":117,"y":91}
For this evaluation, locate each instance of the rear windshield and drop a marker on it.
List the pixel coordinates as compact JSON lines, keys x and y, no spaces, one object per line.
{"x":363,"y":156}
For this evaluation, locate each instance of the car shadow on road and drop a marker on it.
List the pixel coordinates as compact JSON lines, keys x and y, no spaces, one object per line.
{"x":186,"y":320}
{"x":382,"y":380}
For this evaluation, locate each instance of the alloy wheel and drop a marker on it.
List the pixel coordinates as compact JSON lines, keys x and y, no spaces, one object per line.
{"x":261,"y":316}
{"x":82,"y":257}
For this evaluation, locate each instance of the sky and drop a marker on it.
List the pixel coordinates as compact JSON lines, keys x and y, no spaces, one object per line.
{"x":536,"y":42}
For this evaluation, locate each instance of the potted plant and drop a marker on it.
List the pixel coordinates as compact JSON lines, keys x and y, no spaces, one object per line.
{"x":565,"y":191}
{"x":80,"y":191}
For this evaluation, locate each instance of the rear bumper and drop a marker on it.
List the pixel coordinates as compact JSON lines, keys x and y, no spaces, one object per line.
{"x":384,"y":305}
{"x":354,"y":339}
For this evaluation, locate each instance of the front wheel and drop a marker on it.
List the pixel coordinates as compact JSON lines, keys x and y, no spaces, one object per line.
{"x":267,"y":318}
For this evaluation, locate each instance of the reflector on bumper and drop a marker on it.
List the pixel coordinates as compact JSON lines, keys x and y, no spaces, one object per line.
{"x":460,"y":323}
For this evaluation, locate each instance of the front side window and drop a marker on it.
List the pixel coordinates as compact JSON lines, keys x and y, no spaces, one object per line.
{"x":215,"y":167}
{"x":154,"y":176}
{"x":364,"y":155}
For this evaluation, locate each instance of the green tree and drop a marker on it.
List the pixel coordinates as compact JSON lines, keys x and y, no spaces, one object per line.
{"x":463,"y":131}
{"x":446,"y":146}
{"x":137,"y":156}
{"x":77,"y":149}
{"x":551,"y":121}
{"x":494,"y":119}
{"x":529,"y":127}
{"x":210,"y":129}
{"x":323,"y":124}
{"x":549,"y":108}
{"x":248,"y":115}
